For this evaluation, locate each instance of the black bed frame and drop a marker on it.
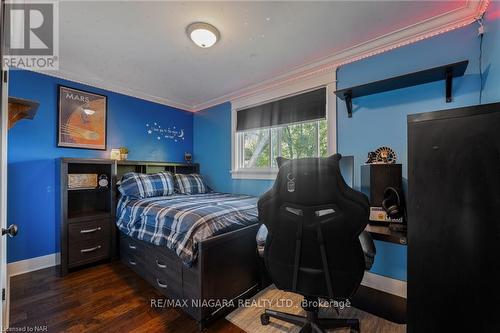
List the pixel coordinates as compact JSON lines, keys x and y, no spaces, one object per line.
{"x":227,"y":267}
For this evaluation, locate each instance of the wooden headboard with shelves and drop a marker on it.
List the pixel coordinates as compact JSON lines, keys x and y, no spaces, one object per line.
{"x":122,"y":167}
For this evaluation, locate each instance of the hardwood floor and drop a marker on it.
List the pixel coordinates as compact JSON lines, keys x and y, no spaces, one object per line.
{"x":107,"y":298}
{"x":104,"y":298}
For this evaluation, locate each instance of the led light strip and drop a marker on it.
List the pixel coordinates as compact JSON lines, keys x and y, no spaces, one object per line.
{"x":468,"y":21}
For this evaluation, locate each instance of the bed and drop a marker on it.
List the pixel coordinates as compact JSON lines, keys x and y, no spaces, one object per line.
{"x":197,"y":249}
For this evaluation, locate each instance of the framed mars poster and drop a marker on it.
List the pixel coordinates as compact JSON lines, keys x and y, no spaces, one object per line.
{"x":82,"y":119}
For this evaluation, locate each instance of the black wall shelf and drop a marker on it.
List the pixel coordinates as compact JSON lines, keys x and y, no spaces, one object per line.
{"x":446,"y":72}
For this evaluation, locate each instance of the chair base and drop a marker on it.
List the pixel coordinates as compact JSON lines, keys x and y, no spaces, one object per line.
{"x":311,"y":323}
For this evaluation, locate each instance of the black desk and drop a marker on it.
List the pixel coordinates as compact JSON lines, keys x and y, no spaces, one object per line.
{"x":384,"y":233}
{"x":377,"y":302}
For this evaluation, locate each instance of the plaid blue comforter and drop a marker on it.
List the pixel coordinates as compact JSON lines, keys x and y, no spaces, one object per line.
{"x":181,"y":222}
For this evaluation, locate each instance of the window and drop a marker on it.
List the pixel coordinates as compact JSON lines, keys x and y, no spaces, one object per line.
{"x":293,"y":127}
{"x":260,"y":147}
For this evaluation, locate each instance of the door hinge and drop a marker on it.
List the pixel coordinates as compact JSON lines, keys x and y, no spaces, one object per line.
{"x":3,"y":294}
{"x":5,"y":77}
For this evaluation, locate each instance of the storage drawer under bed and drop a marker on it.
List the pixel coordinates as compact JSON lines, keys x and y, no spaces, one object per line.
{"x":131,"y":246}
{"x":159,"y":269}
{"x":228,"y":264}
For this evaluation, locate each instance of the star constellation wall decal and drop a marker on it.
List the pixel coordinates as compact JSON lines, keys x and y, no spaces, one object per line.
{"x":169,"y":133}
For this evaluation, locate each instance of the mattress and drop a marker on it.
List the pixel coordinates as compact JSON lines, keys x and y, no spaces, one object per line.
{"x":180,"y":222}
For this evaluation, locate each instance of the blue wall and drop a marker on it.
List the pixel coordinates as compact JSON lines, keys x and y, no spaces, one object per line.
{"x":212,"y":149}
{"x":378,"y":120}
{"x":32,"y":154}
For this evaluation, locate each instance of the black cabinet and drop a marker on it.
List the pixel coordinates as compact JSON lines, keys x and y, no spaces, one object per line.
{"x":454,"y":220}
{"x":87,"y":214}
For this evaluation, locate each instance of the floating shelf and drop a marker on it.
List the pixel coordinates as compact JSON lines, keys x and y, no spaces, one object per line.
{"x":20,"y":108}
{"x":446,"y":72}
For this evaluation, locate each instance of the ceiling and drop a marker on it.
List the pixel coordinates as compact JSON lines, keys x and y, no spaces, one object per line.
{"x":141,"y":48}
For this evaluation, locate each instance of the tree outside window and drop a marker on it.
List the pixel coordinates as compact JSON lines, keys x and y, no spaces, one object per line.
{"x":261,"y":147}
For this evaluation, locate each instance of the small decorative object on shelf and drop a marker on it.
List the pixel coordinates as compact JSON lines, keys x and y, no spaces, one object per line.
{"x":371,"y":157}
{"x":103,"y":181}
{"x":81,"y":181}
{"x":123,"y":153}
{"x":383,"y":155}
{"x":115,"y":154}
{"x":188,"y":157}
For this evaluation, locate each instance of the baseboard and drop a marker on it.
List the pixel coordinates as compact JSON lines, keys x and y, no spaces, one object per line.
{"x":33,"y":264}
{"x":385,"y":284}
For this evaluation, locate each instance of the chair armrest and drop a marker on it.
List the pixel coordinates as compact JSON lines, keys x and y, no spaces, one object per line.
{"x":261,"y":239}
{"x":368,"y":247}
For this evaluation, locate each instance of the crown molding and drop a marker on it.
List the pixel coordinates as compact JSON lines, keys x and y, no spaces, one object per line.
{"x":454,"y":19}
{"x":457,"y":18}
{"x":99,"y":84}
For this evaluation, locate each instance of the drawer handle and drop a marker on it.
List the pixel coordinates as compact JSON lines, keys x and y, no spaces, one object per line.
{"x":132,"y":246}
{"x":132,"y":262}
{"x":88,"y":231}
{"x":161,"y":284}
{"x":159,"y":264}
{"x":92,"y":249}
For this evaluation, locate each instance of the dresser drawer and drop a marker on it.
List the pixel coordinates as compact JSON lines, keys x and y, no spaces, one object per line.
{"x":81,"y":231}
{"x":88,"y":251}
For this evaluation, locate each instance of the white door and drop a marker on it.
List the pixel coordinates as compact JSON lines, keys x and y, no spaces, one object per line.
{"x":4,"y":306}
{"x":4,"y":320}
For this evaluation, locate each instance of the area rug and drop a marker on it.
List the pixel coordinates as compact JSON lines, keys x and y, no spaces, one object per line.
{"x":247,"y":317}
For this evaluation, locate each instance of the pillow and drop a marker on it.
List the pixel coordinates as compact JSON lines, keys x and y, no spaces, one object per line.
{"x":139,"y":185}
{"x":190,"y":184}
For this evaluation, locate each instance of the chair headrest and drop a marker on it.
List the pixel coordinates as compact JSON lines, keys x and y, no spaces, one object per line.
{"x":309,"y":181}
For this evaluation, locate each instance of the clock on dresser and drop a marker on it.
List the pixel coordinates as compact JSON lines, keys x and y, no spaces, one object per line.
{"x":87,"y":212}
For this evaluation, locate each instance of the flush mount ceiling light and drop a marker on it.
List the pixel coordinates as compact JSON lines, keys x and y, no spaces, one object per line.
{"x":203,"y":34}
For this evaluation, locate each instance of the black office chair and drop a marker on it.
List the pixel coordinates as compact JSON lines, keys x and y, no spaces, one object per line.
{"x":313,"y":246}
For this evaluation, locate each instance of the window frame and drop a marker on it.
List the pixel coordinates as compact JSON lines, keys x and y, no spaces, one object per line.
{"x":325,"y":80}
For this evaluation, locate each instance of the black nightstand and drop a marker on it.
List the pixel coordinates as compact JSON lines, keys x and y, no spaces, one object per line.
{"x":87,"y":215}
